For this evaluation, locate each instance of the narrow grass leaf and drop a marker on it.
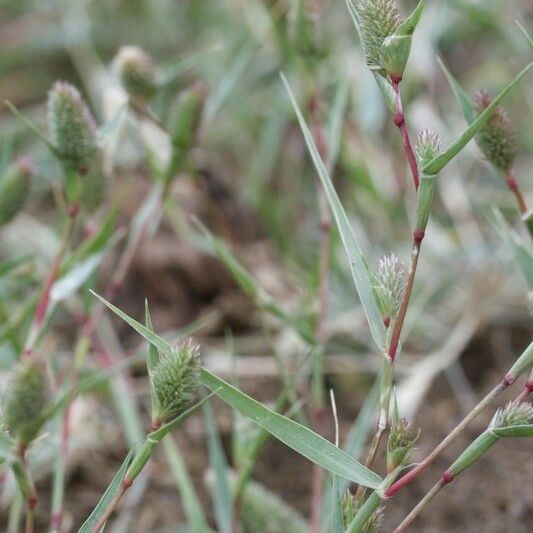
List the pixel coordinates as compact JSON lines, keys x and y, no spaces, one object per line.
{"x":354,"y":445}
{"x":463,"y":99}
{"x":525,"y":33}
{"x":523,"y":251}
{"x":336,"y":121}
{"x":8,"y":265}
{"x":191,"y":503}
{"x":149,"y":335}
{"x":250,"y":286}
{"x":301,"y":439}
{"x":98,"y":242}
{"x":7,"y":445}
{"x":437,"y":164}
{"x":241,"y":275}
{"x":152,"y":358}
{"x":69,"y":283}
{"x":229,"y":81}
{"x":358,"y":266}
{"x":217,"y":459}
{"x":337,"y":520}
{"x":32,"y":127}
{"x":109,"y":494}
{"x":525,"y":430}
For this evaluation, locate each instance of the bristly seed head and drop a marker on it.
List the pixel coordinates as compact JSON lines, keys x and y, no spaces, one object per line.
{"x":136,"y":72}
{"x":350,"y":509}
{"x":427,"y":146}
{"x":496,"y":139}
{"x":389,"y":283}
{"x":378,"y":19}
{"x":402,"y":438}
{"x":175,"y":378}
{"x":14,"y":188}
{"x":26,"y":400}
{"x":374,"y":523}
{"x":71,"y":125}
{"x":513,"y":414}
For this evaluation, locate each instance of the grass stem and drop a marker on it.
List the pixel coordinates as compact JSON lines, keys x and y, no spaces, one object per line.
{"x":318,"y":413}
{"x":406,"y":522}
{"x":399,"y":121}
{"x":420,"y":467}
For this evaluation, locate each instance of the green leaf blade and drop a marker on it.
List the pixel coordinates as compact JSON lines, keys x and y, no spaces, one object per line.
{"x":110,"y":493}
{"x":191,"y":503}
{"x":298,"y":437}
{"x":358,"y":266}
{"x":437,"y":164}
{"x":463,"y":99}
{"x":222,"y":491}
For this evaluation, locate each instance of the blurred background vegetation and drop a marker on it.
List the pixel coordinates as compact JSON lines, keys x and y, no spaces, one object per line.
{"x":253,"y":184}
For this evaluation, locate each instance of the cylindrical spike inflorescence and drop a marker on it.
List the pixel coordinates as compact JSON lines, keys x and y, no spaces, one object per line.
{"x":175,"y":378}
{"x":378,"y":19}
{"x":71,"y":126}
{"x":496,"y":139}
{"x":26,"y":400}
{"x":136,"y":71}
{"x":14,"y":188}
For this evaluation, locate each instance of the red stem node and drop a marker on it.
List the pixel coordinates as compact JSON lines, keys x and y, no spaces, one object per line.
{"x":126,"y":483}
{"x":73,"y":210}
{"x":447,"y":477}
{"x":508,"y":380}
{"x":55,"y":521}
{"x":418,"y":235}
{"x":512,"y":184}
{"x":32,"y":502}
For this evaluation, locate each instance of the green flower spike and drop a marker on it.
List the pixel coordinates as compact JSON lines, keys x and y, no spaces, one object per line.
{"x":175,"y":379}
{"x":402,"y":438}
{"x":378,"y":19}
{"x":136,"y":72}
{"x":513,"y":420}
{"x":496,"y":139}
{"x":26,"y":400}
{"x":14,"y":188}
{"x":389,"y":283}
{"x":71,"y":126}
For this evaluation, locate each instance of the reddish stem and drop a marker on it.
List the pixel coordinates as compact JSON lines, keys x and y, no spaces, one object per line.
{"x":407,"y":521}
{"x":512,"y":183}
{"x":398,"y":323}
{"x":420,"y":467}
{"x":125,"y":485}
{"x":318,"y":412}
{"x":528,"y":389}
{"x":399,"y":120}
{"x":44,"y":301}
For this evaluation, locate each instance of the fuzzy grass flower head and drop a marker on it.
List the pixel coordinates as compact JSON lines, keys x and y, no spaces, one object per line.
{"x":378,"y":19}
{"x":402,"y":438}
{"x":136,"y":72}
{"x":26,"y":400}
{"x":71,"y":126}
{"x":497,"y":138}
{"x":427,"y":146}
{"x":389,"y":283}
{"x":513,"y":414}
{"x":175,"y":378}
{"x":14,"y":188}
